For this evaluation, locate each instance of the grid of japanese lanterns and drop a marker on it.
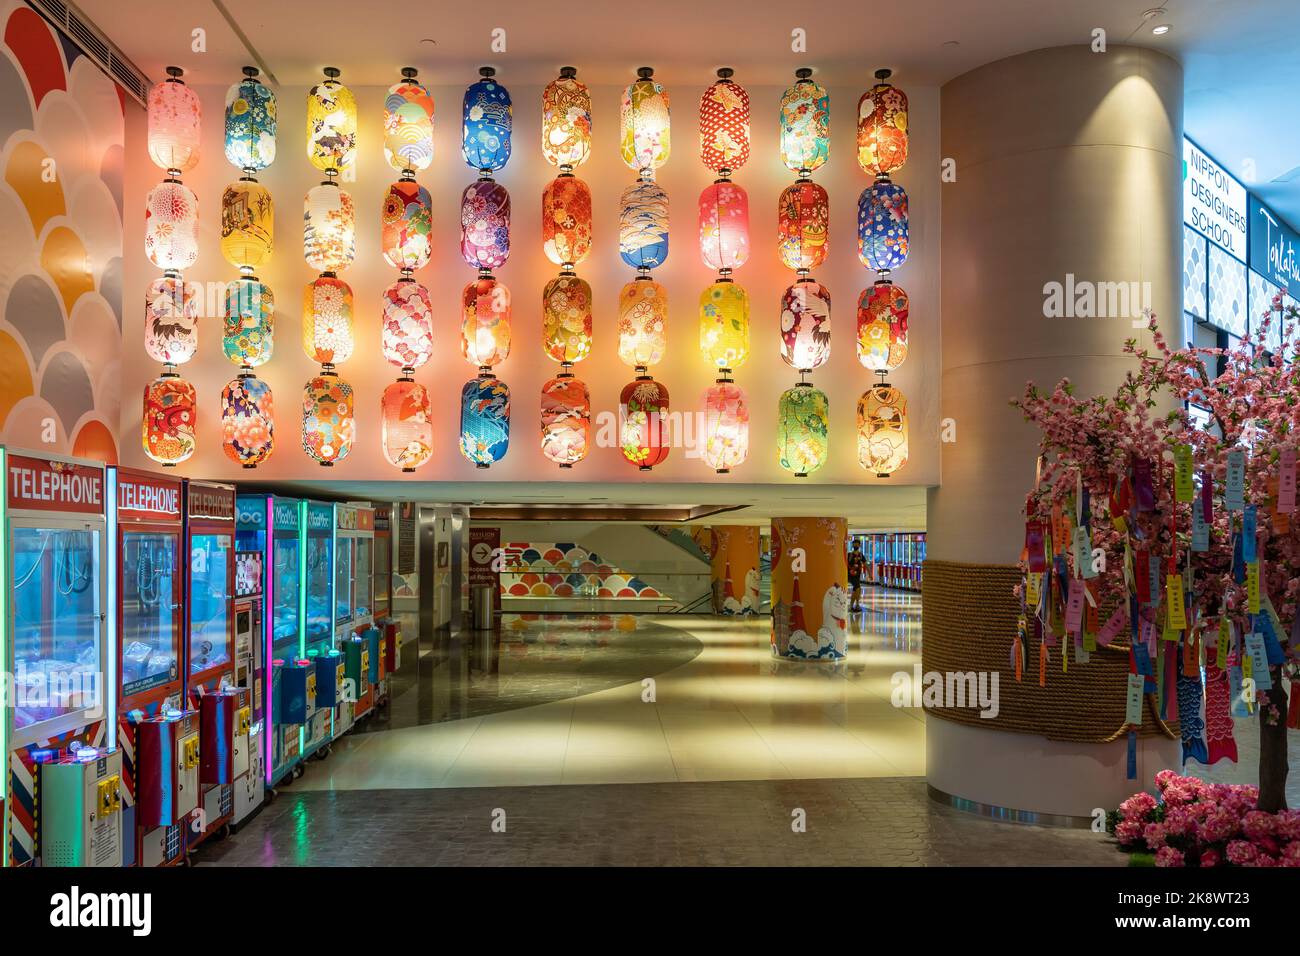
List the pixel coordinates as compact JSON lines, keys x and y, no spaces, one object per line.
{"x":328,"y":430}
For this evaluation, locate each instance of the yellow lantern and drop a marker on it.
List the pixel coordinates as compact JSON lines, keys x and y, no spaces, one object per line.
{"x":329,"y":228}
{"x":882,"y":430}
{"x":331,"y":125}
{"x":247,"y":224}
{"x":724,"y":325}
{"x":485,"y":323}
{"x":566,"y":120}
{"x":566,"y":319}
{"x":642,"y":321}
{"x":327,"y":321}
{"x":646,"y":139}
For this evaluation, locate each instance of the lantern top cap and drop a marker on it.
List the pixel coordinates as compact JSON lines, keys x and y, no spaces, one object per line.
{"x":803,"y":73}
{"x":568,"y":72}
{"x":175,"y":72}
{"x":332,"y":72}
{"x":487,"y":72}
{"x":409,"y":72}
{"x":726,"y":73}
{"x":252,"y":72}
{"x":645,"y":72}
{"x":883,"y":75}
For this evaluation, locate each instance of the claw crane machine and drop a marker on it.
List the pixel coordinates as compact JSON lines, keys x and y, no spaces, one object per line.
{"x":354,"y":630}
{"x":224,"y":707}
{"x":321,"y":721}
{"x":252,"y":592}
{"x":55,"y":734}
{"x":390,"y":631}
{"x":157,"y":734}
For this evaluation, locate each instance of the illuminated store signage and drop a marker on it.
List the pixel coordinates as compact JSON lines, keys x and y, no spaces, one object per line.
{"x":211,"y":501}
{"x":1274,"y":247}
{"x":43,"y":485}
{"x":1214,"y":203}
{"x":143,"y":497}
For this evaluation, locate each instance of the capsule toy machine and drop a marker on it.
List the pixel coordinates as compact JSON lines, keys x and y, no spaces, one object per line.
{"x":355,"y":633}
{"x":156,"y":733}
{"x":253,"y":531}
{"x":61,"y":786}
{"x":390,"y":631}
{"x":323,"y":722}
{"x":223,"y":706}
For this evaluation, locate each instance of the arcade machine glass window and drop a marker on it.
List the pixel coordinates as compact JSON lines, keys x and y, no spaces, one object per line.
{"x":320,"y":621}
{"x":56,"y":604}
{"x":209,"y":601}
{"x":343,"y":579}
{"x":383,"y":573}
{"x":364,"y":603}
{"x":150,"y":598}
{"x":285,"y":591}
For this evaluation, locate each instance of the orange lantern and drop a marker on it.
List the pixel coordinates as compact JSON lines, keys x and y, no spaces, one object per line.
{"x":566,"y":319}
{"x":485,"y":322}
{"x":406,"y":422}
{"x":882,"y":127}
{"x":566,"y":420}
{"x":327,"y":321}
{"x":168,"y":420}
{"x":566,"y":220}
{"x":803,"y":223}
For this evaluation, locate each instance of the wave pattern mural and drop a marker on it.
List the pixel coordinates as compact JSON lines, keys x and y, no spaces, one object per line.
{"x":564,"y":570}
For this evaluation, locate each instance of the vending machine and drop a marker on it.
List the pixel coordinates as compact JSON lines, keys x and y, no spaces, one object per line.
{"x":156,"y":733}
{"x":322,"y":723}
{"x":60,"y":792}
{"x":224,"y":707}
{"x":355,"y":633}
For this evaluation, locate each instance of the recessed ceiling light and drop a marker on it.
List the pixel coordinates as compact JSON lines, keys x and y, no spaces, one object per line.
{"x":1153,"y":12}
{"x":1160,"y":29}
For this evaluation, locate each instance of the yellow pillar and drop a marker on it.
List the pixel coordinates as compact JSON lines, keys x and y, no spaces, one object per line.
{"x":810,"y":597}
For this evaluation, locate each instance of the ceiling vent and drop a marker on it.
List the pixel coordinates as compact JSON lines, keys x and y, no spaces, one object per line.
{"x":88,"y":38}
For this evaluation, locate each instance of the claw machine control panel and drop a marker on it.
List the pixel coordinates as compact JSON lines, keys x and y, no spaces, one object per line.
{"x":55,"y":636}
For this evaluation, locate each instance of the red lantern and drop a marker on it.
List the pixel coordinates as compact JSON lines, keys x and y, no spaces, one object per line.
{"x":566,"y":220}
{"x":803,"y":221}
{"x":406,"y":423}
{"x":724,"y":125}
{"x":168,"y":420}
{"x":643,"y":422}
{"x":882,"y":128}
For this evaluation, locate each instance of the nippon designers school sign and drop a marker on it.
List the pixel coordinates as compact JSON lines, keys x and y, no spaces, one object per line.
{"x":1214,"y":203}
{"x":1274,"y":247}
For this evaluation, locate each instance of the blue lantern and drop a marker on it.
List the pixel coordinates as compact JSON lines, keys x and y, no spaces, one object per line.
{"x":485,"y":123}
{"x":250,"y":123}
{"x":643,"y":225}
{"x":484,"y":420}
{"x":882,"y":225}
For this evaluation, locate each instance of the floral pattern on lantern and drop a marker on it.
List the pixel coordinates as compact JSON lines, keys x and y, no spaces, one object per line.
{"x":643,"y":225}
{"x":805,"y":125}
{"x":485,"y":225}
{"x":882,"y":129}
{"x":726,"y":427}
{"x":406,"y":223}
{"x":803,"y":224}
{"x":566,"y":121}
{"x":406,"y":423}
{"x":646,"y":133}
{"x":566,"y":319}
{"x":168,"y":420}
{"x":171,"y":320}
{"x":408,"y":126}
{"x":724,"y":225}
{"x":724,"y":125}
{"x":173,"y":125}
{"x":327,"y":320}
{"x":724,"y":325}
{"x":802,"y":428}
{"x":566,"y":220}
{"x":882,"y":327}
{"x":171,"y":226}
{"x":882,"y":430}
{"x":642,"y":323}
{"x":484,"y":420}
{"x":882,"y":225}
{"x":250,"y":125}
{"x":566,"y":420}
{"x":248,"y":338}
{"x":247,"y":224}
{"x":247,"y":421}
{"x":331,"y":126}
{"x":643,"y":416}
{"x":486,"y":123}
{"x":328,"y":419}
{"x":806,"y":325}
{"x":485,"y":322}
{"x":407,"y":339}
{"x":329,"y":228}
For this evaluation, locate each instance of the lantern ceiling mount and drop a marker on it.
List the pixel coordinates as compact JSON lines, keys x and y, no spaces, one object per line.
{"x":568,"y":72}
{"x":409,"y":72}
{"x":645,"y":72}
{"x":332,"y":72}
{"x":487,"y":72}
{"x":883,"y":75}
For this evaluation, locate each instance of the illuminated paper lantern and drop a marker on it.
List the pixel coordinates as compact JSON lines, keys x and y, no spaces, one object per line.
{"x":168,"y":420}
{"x":566,"y":319}
{"x":171,"y":226}
{"x":328,"y":419}
{"x":646,"y":134}
{"x":803,"y":224}
{"x":724,"y":325}
{"x":406,"y":423}
{"x":724,"y":225}
{"x":250,"y":123}
{"x":329,"y":228}
{"x":643,"y":422}
{"x":485,"y":322}
{"x":726,"y":427}
{"x":566,"y":120}
{"x":806,"y":325}
{"x":248,"y":338}
{"x":407,"y":339}
{"x":802,"y":427}
{"x":882,"y":327}
{"x":566,"y":220}
{"x":724,"y":125}
{"x":171,"y":320}
{"x":566,"y":420}
{"x":486,"y":123}
{"x":327,"y":320}
{"x":408,"y":124}
{"x":485,"y":225}
{"x":882,"y":226}
{"x":642,"y":323}
{"x":882,"y":430}
{"x":643,"y":225}
{"x":331,"y":124}
{"x":805,"y":124}
{"x":406,"y":223}
{"x":247,"y":421}
{"x":882,"y":127}
{"x":484,"y":420}
{"x":173,"y":123}
{"x":247,"y":224}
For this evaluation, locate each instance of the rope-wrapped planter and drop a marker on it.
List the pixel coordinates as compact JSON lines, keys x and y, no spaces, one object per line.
{"x":968,"y":621}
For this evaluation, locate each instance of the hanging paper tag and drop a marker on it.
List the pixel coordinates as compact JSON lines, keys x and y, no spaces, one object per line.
{"x":1184,"y":486}
{"x":1089,"y":644}
{"x":1235,"y":486}
{"x":1248,"y":534}
{"x":1033,"y":581}
{"x":1258,"y":661}
{"x":1034,"y":549}
{"x":1207,"y":497}
{"x":1200,"y":528}
{"x":1175,"y":612}
{"x":1082,"y":548}
{"x":1143,"y":490}
{"x":1252,"y":587}
{"x":1142,"y":573}
{"x":1114,"y":625}
{"x":1074,"y":607}
{"x":1225,"y":642}
{"x":1286,"y":482}
{"x":1142,"y":658}
{"x":1133,"y":702}
{"x":1132,"y":755}
{"x":1153,"y":579}
{"x":1081,"y":651}
{"x":1238,"y":689}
